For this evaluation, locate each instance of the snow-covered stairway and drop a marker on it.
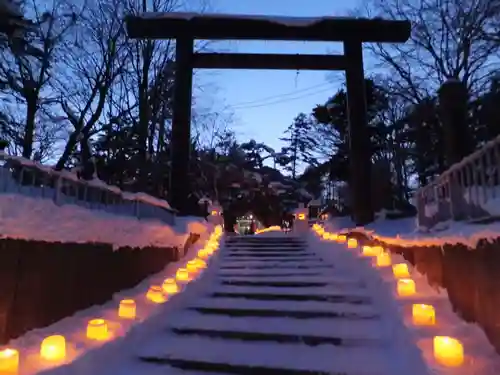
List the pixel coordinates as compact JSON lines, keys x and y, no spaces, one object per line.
{"x":273,"y":307}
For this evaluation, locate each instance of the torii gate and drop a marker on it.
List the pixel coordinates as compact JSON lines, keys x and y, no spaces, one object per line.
{"x":353,"y":32}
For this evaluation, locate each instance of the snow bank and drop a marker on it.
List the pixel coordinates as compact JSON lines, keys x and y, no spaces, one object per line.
{"x":406,"y":357}
{"x":30,"y":218}
{"x":480,"y":356}
{"x":404,"y":232}
{"x":83,"y":353}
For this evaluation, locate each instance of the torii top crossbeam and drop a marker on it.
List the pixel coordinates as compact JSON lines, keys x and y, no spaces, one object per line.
{"x":246,"y":27}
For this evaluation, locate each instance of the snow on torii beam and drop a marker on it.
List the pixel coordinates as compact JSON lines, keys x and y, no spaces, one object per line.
{"x":243,"y":27}
{"x":186,"y":27}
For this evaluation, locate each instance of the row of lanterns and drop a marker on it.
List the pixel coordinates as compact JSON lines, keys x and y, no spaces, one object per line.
{"x":448,"y":351}
{"x":53,"y":348}
{"x":273,"y":228}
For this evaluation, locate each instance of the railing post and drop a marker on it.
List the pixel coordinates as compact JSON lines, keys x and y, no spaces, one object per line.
{"x":57,"y":190}
{"x":420,"y":201}
{"x":456,"y":197}
{"x":20,"y":181}
{"x":137,"y":210}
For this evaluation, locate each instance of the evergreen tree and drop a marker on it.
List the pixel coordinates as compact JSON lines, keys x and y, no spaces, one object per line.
{"x":302,"y":142}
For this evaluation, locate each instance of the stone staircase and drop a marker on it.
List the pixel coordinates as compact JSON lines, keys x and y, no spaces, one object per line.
{"x":274,"y":307}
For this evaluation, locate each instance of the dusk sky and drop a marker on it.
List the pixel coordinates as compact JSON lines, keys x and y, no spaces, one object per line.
{"x":265,"y":101}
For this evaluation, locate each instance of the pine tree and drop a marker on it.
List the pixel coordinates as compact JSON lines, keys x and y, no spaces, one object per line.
{"x":301,"y":144}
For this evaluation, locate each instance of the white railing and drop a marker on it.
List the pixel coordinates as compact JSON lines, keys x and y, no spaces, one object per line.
{"x":468,"y":191}
{"x":23,"y":176}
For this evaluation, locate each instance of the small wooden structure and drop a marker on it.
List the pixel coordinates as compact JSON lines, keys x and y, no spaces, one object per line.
{"x":186,"y":27}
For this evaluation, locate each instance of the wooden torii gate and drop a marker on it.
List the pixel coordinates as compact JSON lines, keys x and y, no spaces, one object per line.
{"x":187,"y":27}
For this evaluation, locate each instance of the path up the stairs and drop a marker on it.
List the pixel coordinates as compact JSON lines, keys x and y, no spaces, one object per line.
{"x":274,"y":307}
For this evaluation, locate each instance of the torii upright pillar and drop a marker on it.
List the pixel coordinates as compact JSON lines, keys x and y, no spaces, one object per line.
{"x":181,"y":124}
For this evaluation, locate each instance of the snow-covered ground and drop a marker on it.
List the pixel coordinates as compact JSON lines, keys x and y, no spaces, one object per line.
{"x":480,"y":356}
{"x":369,"y":345}
{"x":404,"y":232}
{"x":73,"y":328}
{"x":26,"y":217}
{"x":389,"y":345}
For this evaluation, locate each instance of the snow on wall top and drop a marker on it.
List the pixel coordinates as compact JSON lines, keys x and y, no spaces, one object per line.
{"x":283,"y":20}
{"x":141,"y":197}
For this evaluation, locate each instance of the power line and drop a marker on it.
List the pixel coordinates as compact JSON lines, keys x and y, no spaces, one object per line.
{"x":279,"y":101}
{"x":265,"y":99}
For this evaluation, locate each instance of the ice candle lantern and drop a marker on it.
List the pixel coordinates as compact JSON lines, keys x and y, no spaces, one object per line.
{"x":169,"y":286}
{"x":383,"y":259}
{"x":97,"y":329}
{"x":406,"y":287}
{"x":352,"y":243}
{"x":400,"y":270}
{"x":182,"y":274}
{"x":9,"y":361}
{"x":448,"y":351}
{"x":127,"y":309}
{"x":368,"y":251}
{"x":155,"y":294}
{"x":53,"y":348}
{"x":423,"y":315}
{"x":192,"y":266}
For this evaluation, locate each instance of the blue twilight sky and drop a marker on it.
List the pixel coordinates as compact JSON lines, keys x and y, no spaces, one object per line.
{"x":264,"y":102}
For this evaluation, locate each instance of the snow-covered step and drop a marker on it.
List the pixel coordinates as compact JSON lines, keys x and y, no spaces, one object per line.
{"x":267,"y":253}
{"x":290,"y":278}
{"x":281,"y":239}
{"x":274,"y":266}
{"x":285,"y":306}
{"x":263,"y":263}
{"x":321,"y":291}
{"x":266,"y":296}
{"x":274,"y":283}
{"x":328,"y":359}
{"x":131,"y":365}
{"x":265,"y":244}
{"x":308,"y":258}
{"x":266,"y":248}
{"x":271,"y":274}
{"x":369,"y":330}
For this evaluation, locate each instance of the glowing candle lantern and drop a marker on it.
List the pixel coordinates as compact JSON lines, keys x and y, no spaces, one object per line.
{"x":383,"y":259}
{"x":9,"y":361}
{"x":53,"y":348}
{"x":192,"y":266}
{"x":369,"y":251}
{"x":326,"y":236}
{"x":169,"y":286}
{"x":352,"y":243}
{"x":423,"y":315}
{"x":97,"y":329}
{"x":203,"y":254}
{"x":214,"y":213}
{"x":127,"y":309}
{"x":406,"y":287}
{"x":341,"y":238}
{"x":400,"y":270}
{"x":448,"y":351}
{"x":378,"y":249}
{"x":155,"y":294}
{"x":201,"y":263}
{"x":301,"y":216}
{"x":182,"y":274}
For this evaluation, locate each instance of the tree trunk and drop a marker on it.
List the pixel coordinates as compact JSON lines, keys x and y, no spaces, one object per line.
{"x":29,"y":128}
